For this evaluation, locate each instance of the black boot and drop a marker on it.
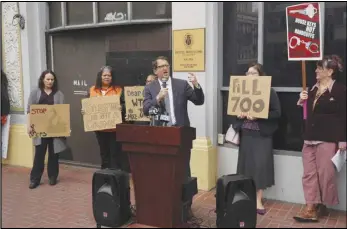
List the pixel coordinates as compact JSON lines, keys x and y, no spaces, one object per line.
{"x":34,"y":184}
{"x":52,"y":181}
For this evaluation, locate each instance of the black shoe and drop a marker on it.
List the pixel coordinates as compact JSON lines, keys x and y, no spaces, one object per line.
{"x":34,"y":185}
{"x":52,"y":181}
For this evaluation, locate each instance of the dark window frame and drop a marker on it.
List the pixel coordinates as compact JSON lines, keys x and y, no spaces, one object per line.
{"x":95,"y":22}
{"x":281,"y":90}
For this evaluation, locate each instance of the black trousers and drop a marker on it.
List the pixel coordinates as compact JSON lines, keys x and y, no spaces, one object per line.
{"x":111,"y":151}
{"x":39,"y":161}
{"x":188,"y":175}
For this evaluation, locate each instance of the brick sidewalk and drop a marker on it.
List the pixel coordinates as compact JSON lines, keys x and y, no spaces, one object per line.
{"x":69,"y":205}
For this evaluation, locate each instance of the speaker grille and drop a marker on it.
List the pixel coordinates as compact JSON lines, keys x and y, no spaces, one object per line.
{"x":236,"y":202}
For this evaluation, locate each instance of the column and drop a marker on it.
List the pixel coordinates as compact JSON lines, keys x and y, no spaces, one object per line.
{"x":24,"y":57}
{"x":192,"y":15}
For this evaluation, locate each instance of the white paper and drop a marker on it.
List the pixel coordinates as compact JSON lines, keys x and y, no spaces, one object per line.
{"x":339,"y":159}
{"x":5,"y":134}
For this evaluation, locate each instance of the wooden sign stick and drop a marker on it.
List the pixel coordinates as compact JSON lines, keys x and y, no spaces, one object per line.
{"x":303,"y":70}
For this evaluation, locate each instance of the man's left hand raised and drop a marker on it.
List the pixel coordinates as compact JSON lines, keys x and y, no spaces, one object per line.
{"x":192,"y":79}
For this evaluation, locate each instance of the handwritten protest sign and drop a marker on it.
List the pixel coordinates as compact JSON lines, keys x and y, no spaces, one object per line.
{"x":249,"y":94}
{"x":101,"y":113}
{"x":50,"y":120}
{"x":134,"y":97}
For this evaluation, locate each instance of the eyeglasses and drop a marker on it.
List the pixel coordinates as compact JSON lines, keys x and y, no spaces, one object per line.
{"x":163,"y":66}
{"x":252,"y":73}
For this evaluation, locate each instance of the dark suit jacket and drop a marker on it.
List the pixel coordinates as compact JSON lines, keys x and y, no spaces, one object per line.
{"x":327,"y":120}
{"x":182,"y":92}
{"x":267,"y":126}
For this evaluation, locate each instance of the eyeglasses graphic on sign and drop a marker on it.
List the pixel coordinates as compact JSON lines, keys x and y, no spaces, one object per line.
{"x":309,"y":11}
{"x":310,"y":46}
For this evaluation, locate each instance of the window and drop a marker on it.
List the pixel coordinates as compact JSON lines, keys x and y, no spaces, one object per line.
{"x":66,"y":15}
{"x":79,"y":13}
{"x":285,"y":74}
{"x":112,"y":11}
{"x":54,"y":14}
{"x":151,"y":10}
{"x":288,"y":73}
{"x":240,"y":38}
{"x":289,"y":134}
{"x":335,"y":32}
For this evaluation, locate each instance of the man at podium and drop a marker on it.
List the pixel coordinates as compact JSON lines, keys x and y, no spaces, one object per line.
{"x":172,"y":95}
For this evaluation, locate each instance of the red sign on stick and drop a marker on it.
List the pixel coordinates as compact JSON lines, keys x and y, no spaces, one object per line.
{"x":304,"y":32}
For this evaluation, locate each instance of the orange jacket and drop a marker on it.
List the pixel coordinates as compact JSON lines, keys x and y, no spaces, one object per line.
{"x":111,"y":91}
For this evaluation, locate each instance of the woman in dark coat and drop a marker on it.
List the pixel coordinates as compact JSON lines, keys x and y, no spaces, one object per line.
{"x":256,"y":158}
{"x":325,"y":133}
{"x":5,"y":100}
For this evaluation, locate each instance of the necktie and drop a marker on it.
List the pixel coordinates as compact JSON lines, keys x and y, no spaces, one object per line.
{"x":168,"y":109}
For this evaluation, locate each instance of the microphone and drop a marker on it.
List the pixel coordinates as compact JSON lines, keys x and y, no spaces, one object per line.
{"x":164,"y":116}
{"x":164,"y":80}
{"x":154,"y":113}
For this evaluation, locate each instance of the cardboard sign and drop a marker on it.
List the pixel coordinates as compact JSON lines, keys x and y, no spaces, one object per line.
{"x":304,"y":32}
{"x":50,"y":120}
{"x":134,"y":97}
{"x":189,"y":50}
{"x":249,"y":94}
{"x":101,"y":113}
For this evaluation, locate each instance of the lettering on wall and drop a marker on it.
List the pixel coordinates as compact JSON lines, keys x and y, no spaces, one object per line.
{"x":80,"y":87}
{"x":249,"y":94}
{"x":134,"y":97}
{"x":115,"y":16}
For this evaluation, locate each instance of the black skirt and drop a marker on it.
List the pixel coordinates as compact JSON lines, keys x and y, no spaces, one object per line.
{"x":256,"y":158}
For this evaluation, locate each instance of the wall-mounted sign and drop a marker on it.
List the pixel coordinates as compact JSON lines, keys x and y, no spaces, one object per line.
{"x":189,"y":50}
{"x":304,"y":32}
{"x":249,"y":94}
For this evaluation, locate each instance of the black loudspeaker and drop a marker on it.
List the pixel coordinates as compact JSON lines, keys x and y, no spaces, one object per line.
{"x":236,"y":205}
{"x":111,"y":198}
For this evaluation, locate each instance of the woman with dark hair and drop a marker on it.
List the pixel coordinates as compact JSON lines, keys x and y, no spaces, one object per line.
{"x":46,"y":93}
{"x":256,"y":158}
{"x":110,"y":149}
{"x":325,"y":133}
{"x":5,"y":100}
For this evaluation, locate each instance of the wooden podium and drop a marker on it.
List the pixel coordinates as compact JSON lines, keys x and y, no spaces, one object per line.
{"x":158,"y":159}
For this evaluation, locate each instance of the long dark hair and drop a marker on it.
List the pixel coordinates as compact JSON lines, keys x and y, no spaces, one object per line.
{"x":42,"y":77}
{"x":5,"y":99}
{"x":333,"y":62}
{"x":98,"y":83}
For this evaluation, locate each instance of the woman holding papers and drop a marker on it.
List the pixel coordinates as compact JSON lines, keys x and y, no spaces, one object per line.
{"x":110,"y":149}
{"x":325,"y":133}
{"x":255,"y":152}
{"x":46,"y":93}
